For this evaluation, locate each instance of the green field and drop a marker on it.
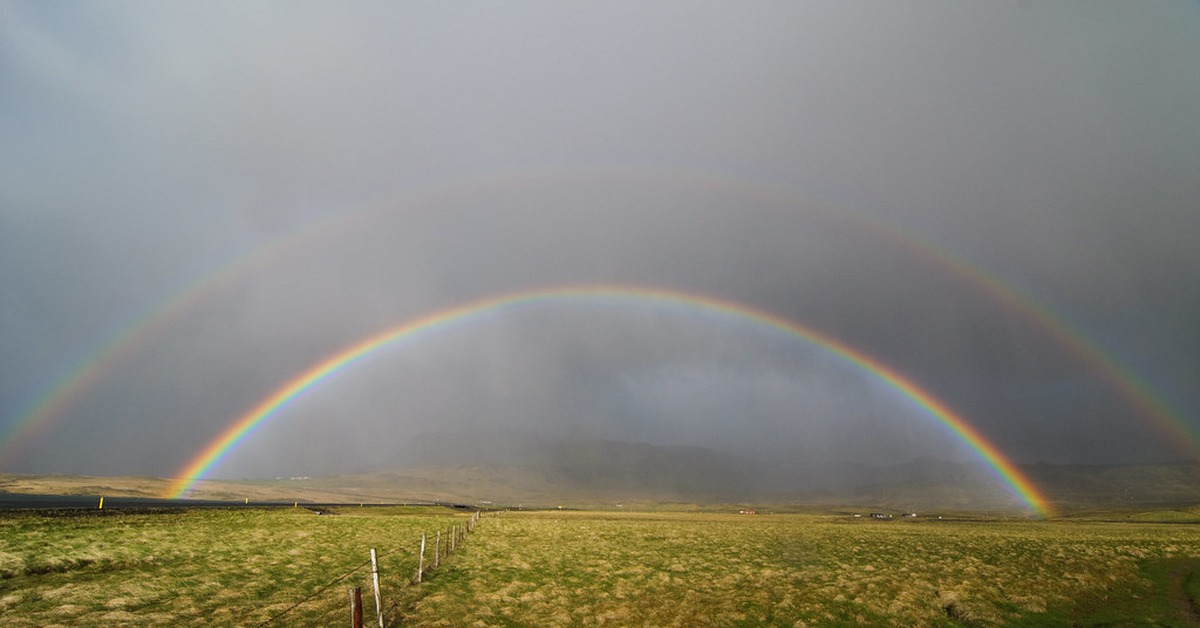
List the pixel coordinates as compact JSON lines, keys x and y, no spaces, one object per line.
{"x":244,"y":566}
{"x":232,"y":567}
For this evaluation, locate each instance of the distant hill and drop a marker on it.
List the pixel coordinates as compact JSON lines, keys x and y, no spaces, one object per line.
{"x":510,"y":468}
{"x":504,"y":465}
{"x":1076,"y":487}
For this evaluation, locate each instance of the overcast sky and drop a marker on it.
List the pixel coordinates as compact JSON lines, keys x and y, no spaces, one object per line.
{"x":398,"y":158}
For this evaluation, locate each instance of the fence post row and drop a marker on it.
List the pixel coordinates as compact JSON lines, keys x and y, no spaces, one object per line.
{"x":454,"y":534}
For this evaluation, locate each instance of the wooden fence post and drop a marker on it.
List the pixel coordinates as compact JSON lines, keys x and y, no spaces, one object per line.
{"x":356,"y":607}
{"x":375,"y":581}
{"x":437,"y":549}
{"x":421,"y":559}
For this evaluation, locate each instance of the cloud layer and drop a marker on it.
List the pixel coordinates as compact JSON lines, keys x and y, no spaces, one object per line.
{"x":371,"y":163}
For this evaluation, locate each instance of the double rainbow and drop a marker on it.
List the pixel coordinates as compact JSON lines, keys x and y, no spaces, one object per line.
{"x":66,"y":391}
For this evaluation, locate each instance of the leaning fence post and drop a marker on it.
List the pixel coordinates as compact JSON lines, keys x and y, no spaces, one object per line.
{"x":421,"y":559}
{"x":356,"y":607}
{"x":375,"y":581}
{"x":437,"y":549}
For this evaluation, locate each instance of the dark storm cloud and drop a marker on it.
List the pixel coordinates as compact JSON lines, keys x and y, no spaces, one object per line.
{"x":146,"y":146}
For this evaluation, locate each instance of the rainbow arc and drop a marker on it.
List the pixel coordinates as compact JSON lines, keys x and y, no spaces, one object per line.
{"x":211,"y":455}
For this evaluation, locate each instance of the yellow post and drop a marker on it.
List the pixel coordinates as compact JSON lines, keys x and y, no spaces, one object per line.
{"x":101,"y":503}
{"x":247,"y":501}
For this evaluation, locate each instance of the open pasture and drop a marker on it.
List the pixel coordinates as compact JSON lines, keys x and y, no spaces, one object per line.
{"x":244,"y":566}
{"x":703,"y":569}
{"x":229,"y":567}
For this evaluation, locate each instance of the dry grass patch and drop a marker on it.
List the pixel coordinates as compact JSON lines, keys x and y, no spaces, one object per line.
{"x":585,"y":569}
{"x":214,"y":567}
{"x":242,"y":566}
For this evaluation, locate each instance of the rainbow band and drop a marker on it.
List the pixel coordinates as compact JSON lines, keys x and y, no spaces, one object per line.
{"x":215,"y":452}
{"x":1179,"y":431}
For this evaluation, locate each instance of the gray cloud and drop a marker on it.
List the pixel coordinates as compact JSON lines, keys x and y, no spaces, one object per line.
{"x":144,"y":146}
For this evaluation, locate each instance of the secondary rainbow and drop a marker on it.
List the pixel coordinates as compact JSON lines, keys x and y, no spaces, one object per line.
{"x":71,"y":385}
{"x":1180,"y":432}
{"x":213,"y":453}
{"x":67,"y":389}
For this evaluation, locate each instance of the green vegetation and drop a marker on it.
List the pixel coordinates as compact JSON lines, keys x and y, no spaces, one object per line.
{"x":231,"y":567}
{"x":679,"y":569}
{"x":244,"y":566}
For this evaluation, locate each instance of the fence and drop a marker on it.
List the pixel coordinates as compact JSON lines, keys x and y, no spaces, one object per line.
{"x":444,"y":543}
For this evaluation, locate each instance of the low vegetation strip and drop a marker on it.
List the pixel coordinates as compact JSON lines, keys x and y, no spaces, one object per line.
{"x":240,"y":567}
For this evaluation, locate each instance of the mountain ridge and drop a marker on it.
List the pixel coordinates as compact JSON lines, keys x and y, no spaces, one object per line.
{"x":543,"y":470}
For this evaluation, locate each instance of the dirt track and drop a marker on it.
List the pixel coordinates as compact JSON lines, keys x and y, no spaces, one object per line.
{"x":1181,"y":572}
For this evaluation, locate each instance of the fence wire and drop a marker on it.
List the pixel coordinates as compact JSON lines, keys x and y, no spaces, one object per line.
{"x":466,"y":529}
{"x":319,"y":591}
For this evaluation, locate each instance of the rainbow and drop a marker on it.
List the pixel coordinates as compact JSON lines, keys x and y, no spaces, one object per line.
{"x":71,"y":385}
{"x":1179,"y":432}
{"x":1136,"y":392}
{"x":220,"y":447}
{"x":86,"y":372}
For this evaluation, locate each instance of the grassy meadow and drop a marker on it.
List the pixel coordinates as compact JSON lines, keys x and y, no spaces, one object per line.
{"x":238,"y":567}
{"x":795,"y":570}
{"x":228,"y":567}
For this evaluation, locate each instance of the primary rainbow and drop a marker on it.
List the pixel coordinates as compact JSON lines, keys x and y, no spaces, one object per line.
{"x":71,"y":385}
{"x":213,"y":453}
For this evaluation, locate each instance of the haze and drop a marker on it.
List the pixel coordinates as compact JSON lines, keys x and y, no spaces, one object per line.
{"x":822,"y":162}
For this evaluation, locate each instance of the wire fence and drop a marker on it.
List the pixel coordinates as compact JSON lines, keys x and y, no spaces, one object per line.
{"x":433,"y":550}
